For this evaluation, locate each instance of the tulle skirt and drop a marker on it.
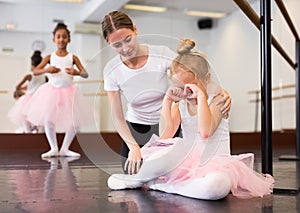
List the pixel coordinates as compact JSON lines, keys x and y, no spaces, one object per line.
{"x":66,"y":108}
{"x":245,"y":182}
{"x":17,"y":113}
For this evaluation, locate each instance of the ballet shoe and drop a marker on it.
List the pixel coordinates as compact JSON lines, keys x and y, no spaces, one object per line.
{"x":68,"y":153}
{"x":50,"y":154}
{"x":123,"y":181}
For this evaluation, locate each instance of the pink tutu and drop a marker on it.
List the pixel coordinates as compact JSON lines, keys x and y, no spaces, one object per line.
{"x":245,"y":182}
{"x":17,"y":113}
{"x":66,"y":108}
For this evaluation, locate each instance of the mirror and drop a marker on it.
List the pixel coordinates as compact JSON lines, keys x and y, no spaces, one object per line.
{"x":27,"y":25}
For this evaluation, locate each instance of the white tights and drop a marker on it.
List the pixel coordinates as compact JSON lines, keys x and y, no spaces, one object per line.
{"x":52,"y":140}
{"x":213,"y":186}
{"x":27,"y":127}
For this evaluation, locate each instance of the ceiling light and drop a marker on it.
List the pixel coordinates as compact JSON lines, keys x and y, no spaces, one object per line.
{"x":205,"y":14}
{"x":144,"y":8}
{"x":10,"y":26}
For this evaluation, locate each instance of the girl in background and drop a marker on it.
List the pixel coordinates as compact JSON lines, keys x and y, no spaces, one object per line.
{"x":199,"y":165}
{"x":58,"y":105}
{"x":30,"y":83}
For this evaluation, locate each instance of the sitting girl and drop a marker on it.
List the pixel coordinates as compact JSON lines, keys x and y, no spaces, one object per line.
{"x":199,"y":165}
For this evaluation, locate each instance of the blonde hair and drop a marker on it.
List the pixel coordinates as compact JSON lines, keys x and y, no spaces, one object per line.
{"x":190,"y":61}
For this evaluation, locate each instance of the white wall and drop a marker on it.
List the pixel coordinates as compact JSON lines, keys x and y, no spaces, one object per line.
{"x":232,"y":45}
{"x":41,"y":19}
{"x":235,"y":53}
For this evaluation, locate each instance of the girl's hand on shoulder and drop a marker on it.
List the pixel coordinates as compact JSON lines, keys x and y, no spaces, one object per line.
{"x":226,"y":101}
{"x":52,"y":69}
{"x":175,"y":93}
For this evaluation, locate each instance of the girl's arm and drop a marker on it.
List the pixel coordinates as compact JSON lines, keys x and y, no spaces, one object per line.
{"x":26,"y":78}
{"x":209,"y":116}
{"x":39,"y":69}
{"x":133,"y":162}
{"x":170,"y":114}
{"x":169,"y":119}
{"x":81,"y":71}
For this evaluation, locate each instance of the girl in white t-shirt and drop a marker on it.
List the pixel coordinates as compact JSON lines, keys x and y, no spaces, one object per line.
{"x":139,"y":72}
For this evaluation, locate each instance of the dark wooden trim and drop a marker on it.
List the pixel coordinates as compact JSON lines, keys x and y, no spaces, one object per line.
{"x":247,"y":141}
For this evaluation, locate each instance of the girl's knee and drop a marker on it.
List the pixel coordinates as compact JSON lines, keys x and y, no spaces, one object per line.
{"x":213,"y":186}
{"x":218,"y":185}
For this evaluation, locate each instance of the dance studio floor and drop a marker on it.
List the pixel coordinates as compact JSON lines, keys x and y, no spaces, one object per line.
{"x":66,"y":185}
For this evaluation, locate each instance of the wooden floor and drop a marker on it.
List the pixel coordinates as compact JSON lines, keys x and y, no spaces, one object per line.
{"x":67,"y":185}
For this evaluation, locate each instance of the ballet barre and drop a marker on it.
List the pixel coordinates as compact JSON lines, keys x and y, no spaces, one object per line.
{"x":3,"y":91}
{"x":254,"y":18}
{"x":89,"y":81}
{"x":275,"y":98}
{"x":288,"y":86}
{"x":263,"y":24}
{"x":96,"y":94}
{"x":101,"y":93}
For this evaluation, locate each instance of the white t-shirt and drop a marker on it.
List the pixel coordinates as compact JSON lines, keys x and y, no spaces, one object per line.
{"x":143,"y":88}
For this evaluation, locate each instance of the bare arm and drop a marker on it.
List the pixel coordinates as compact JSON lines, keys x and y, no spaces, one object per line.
{"x":22,"y":82}
{"x":134,"y":155}
{"x":209,"y":116}
{"x":170,"y":115}
{"x":40,"y":69}
{"x":169,"y":118}
{"x":81,"y":71}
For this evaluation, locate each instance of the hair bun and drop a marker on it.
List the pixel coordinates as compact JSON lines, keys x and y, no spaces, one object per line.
{"x":37,"y":53}
{"x":185,"y":46}
{"x":61,"y":24}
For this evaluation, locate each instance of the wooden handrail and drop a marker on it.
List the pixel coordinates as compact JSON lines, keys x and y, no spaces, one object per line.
{"x":90,"y":81}
{"x":254,"y":18}
{"x":3,"y":91}
{"x":287,"y":17}
{"x":274,"y":88}
{"x":274,"y":98}
{"x":96,"y":94}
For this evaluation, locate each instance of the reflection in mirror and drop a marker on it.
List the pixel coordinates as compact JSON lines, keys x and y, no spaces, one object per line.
{"x":20,"y":37}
